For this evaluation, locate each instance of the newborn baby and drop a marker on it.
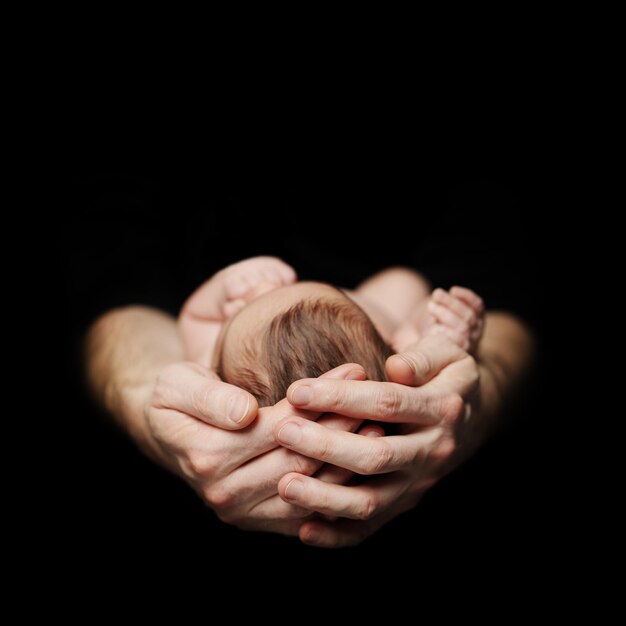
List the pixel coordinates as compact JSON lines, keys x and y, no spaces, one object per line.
{"x":260,"y":329}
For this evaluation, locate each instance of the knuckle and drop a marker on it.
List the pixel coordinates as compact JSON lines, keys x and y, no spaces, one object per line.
{"x":296,"y":513}
{"x":303,"y":464}
{"x":421,"y":363}
{"x":453,"y":407}
{"x":167,"y":373}
{"x":378,"y":458}
{"x":218,"y":497}
{"x":164,"y":382}
{"x":201,"y":398}
{"x":323,"y":448}
{"x":202,"y":464}
{"x":158,"y":395}
{"x":368,"y":508}
{"x":444,"y":450}
{"x":388,"y":403}
{"x":469,"y":317}
{"x":333,"y":397}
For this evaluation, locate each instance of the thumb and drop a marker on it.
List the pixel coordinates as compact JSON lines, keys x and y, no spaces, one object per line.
{"x":197,"y":391}
{"x":423,"y":360}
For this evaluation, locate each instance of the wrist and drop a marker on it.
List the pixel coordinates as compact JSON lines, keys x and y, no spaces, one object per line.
{"x":130,"y":411}
{"x":126,"y":349}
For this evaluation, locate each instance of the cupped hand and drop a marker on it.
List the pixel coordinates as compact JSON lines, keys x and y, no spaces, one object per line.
{"x":433,"y":401}
{"x":206,"y":431}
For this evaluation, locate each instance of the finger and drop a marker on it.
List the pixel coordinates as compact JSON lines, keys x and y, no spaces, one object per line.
{"x":356,"y":502}
{"x":363,"y":455}
{"x":422,"y":361}
{"x":477,"y":331}
{"x":345,"y":532}
{"x":257,"y":480}
{"x":350,"y":371}
{"x":460,"y":308}
{"x":272,"y":525}
{"x":334,"y":474}
{"x":259,"y":439}
{"x":469,"y":297}
{"x":445,"y":316}
{"x":372,"y":430}
{"x":386,"y":402}
{"x":252,"y":479}
{"x":197,"y":391}
{"x":262,"y":435}
{"x":347,"y":371}
{"x":460,"y":338}
{"x":275,"y":508}
{"x":405,"y":336}
{"x":342,"y":533}
{"x":338,"y":475}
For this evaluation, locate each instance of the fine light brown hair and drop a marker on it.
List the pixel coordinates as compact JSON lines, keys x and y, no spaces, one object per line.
{"x":310,"y":338}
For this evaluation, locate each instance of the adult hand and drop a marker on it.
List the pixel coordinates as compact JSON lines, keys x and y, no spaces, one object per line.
{"x":206,"y":432}
{"x":433,"y":399}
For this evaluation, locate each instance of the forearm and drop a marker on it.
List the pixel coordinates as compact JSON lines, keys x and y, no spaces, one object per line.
{"x":505,"y":355}
{"x":126,"y":349}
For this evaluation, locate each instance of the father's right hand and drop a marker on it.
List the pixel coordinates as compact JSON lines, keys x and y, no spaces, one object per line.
{"x":206,"y":432}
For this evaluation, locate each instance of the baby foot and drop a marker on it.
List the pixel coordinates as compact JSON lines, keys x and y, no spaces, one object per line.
{"x":249,"y":279}
{"x":459,"y":314}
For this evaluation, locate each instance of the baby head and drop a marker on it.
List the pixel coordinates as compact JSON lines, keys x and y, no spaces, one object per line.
{"x":293,"y":332}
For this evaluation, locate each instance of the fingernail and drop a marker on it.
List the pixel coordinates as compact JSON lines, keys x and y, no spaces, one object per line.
{"x":294,"y":490}
{"x":354,"y":375}
{"x":238,"y":407}
{"x":301,"y":395}
{"x":373,"y":433}
{"x":289,"y":434}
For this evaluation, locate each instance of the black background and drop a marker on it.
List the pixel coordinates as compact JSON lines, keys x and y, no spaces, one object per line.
{"x":118,"y":507}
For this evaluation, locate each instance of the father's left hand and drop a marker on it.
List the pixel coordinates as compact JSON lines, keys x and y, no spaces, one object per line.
{"x":433,"y":397}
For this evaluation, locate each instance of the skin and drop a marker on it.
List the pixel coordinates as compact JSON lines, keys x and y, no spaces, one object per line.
{"x":198,"y":427}
{"x":255,"y":316}
{"x":445,"y":401}
{"x":220,"y":298}
{"x":235,"y":304}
